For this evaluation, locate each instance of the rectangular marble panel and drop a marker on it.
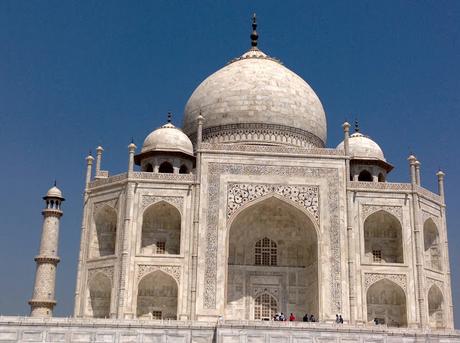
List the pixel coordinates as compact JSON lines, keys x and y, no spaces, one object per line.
{"x":105,"y":337}
{"x":202,"y":339}
{"x":176,"y":339}
{"x":152,"y":338}
{"x":255,"y":339}
{"x":128,"y":338}
{"x":81,"y":337}
{"x":302,"y":340}
{"x":55,"y":337}
{"x":230,"y":339}
{"x":278,"y":338}
{"x":32,"y":336}
{"x":8,"y":336}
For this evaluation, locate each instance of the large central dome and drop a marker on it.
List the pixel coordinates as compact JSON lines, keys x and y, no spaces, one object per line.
{"x":256,"y":100}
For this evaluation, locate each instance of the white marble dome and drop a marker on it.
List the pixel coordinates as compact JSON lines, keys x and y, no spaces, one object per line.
{"x":54,"y":192}
{"x":168,"y":138}
{"x":363,"y":147}
{"x":257,"y":90}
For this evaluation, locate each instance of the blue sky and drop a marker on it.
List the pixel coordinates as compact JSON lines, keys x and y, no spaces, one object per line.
{"x":77,"y":74}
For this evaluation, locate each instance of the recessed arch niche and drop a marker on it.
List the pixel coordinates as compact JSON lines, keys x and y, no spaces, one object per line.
{"x":432,"y":248}
{"x":104,"y":233}
{"x":157,"y":296}
{"x":383,"y":238}
{"x":386,"y":304}
{"x":273,"y":249}
{"x":436,"y":307}
{"x":161,"y":229}
{"x":100,"y":291}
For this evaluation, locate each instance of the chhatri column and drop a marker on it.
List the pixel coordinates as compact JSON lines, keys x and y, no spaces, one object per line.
{"x":43,"y":298}
{"x":417,"y":172}
{"x":99,"y":151}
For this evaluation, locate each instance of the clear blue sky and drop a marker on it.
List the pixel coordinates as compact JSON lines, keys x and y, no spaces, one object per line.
{"x":77,"y":74}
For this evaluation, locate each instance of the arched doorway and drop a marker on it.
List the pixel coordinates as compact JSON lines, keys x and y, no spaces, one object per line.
{"x":100,"y":290}
{"x":383,"y":238}
{"x":386,"y":304}
{"x":432,"y":246}
{"x":105,"y":233}
{"x":365,"y":176}
{"x":161,"y":229}
{"x":265,"y":307}
{"x":435,"y":307}
{"x":157,"y":296}
{"x":272,"y":250}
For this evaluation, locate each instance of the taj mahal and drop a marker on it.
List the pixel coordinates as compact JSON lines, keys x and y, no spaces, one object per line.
{"x":243,"y":212}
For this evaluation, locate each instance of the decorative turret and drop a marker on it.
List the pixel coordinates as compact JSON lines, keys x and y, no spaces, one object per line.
{"x":367,"y":162}
{"x":43,"y":297}
{"x":166,"y":150}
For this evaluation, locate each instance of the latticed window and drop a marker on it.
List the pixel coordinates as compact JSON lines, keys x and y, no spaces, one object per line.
{"x":377,"y":255}
{"x":266,"y":253}
{"x":265,"y":307}
{"x":156,"y":314}
{"x":161,"y":247}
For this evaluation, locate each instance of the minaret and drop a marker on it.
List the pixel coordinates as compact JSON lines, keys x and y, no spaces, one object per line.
{"x":43,"y":300}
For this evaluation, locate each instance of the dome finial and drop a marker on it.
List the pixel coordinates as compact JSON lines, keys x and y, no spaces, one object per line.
{"x":356,"y":126}
{"x":169,"y":117}
{"x":254,"y":35}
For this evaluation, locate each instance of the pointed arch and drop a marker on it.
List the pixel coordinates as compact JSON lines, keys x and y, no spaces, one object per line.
{"x":157,"y":296}
{"x":386,"y":304}
{"x":383,"y":238}
{"x":183,"y":169}
{"x":161,"y":229}
{"x":105,"y":232}
{"x":272,"y":224}
{"x":432,"y":246}
{"x":436,"y":307}
{"x":100,"y":292}
{"x":365,"y":175}
{"x":166,"y":167}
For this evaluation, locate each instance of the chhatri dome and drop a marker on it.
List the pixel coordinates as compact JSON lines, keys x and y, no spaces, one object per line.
{"x":167,"y":138}
{"x":254,"y":98}
{"x":363,"y":147}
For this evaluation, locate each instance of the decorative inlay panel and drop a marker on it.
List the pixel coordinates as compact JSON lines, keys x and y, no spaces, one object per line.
{"x":215,"y":170}
{"x":239,"y":194}
{"x":370,"y":209}
{"x":111,"y":203}
{"x":107,"y":271}
{"x":399,"y":279}
{"x":144,"y":269}
{"x":148,"y":200}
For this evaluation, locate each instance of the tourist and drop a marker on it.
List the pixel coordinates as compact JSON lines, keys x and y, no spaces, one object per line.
{"x":340,"y":319}
{"x":305,"y":318}
{"x":282,"y":317}
{"x":312,"y":318}
{"x":337,"y":320}
{"x":292,"y":318}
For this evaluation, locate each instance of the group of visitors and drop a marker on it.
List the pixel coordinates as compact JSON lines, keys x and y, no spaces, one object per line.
{"x":338,"y":319}
{"x":280,"y":317}
{"x":310,"y":318}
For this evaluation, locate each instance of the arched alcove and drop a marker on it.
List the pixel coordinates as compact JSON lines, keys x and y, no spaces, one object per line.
{"x":105,"y":233}
{"x":161,"y":229}
{"x":436,"y":307}
{"x":386,"y":304}
{"x":100,"y":291}
{"x":149,"y":168}
{"x":383,"y":238}
{"x":183,"y":169}
{"x":364,"y":175}
{"x":166,"y":167}
{"x":157,"y":296}
{"x":272,"y":246}
{"x":432,"y":245}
